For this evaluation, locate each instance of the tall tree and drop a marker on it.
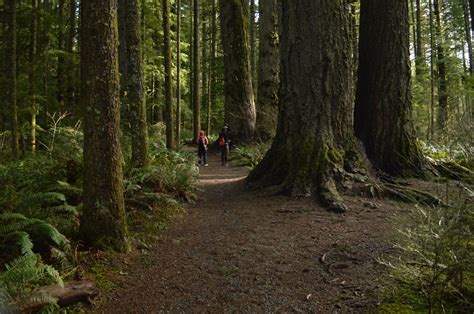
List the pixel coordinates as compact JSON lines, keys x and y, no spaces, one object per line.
{"x":268,"y":69}
{"x":103,"y":221}
{"x":178,"y":72}
{"x":383,"y":118}
{"x":32,"y":75}
{"x":11,"y":39}
{"x":69,"y":50}
{"x":420,"y":51}
{"x":253,"y":44}
{"x":239,"y":99}
{"x":168,"y":78}
{"x":212,"y":61}
{"x":442,"y":120}
{"x":204,"y":82}
{"x":196,"y":69}
{"x":314,"y":140}
{"x":134,"y":79}
{"x":60,"y":65}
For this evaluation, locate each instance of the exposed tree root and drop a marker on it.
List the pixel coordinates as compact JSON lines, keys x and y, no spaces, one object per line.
{"x":452,"y":170}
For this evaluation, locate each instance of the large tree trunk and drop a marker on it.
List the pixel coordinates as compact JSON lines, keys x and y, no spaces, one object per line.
{"x":196,"y":69}
{"x":103,"y":221}
{"x":10,"y":10}
{"x":253,"y":44}
{"x":383,"y":119}
{"x":239,"y":99}
{"x":135,"y":89}
{"x":168,"y":77}
{"x":314,"y":141}
{"x":32,"y":75}
{"x":268,"y":69}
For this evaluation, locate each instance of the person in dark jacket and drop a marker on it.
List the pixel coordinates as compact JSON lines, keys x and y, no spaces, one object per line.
{"x":224,"y":143}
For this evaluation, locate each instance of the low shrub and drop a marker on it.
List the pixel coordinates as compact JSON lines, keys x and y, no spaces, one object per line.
{"x":249,"y":155}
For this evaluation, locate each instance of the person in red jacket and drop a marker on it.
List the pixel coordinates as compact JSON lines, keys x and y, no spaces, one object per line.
{"x":202,"y":142}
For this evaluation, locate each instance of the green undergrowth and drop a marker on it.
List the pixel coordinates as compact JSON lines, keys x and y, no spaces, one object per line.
{"x":249,"y":155}
{"x":41,"y":204}
{"x":433,"y":269}
{"x":459,"y":153}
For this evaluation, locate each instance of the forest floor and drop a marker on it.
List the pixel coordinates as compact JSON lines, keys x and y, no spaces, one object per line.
{"x":238,"y":250}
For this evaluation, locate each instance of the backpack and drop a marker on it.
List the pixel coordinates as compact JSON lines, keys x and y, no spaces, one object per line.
{"x":221,"y":141}
{"x":202,"y":142}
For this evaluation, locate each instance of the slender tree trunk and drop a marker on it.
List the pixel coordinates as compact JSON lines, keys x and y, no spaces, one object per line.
{"x":239,"y":99}
{"x":178,"y":73}
{"x":69,"y":49}
{"x":168,"y":77}
{"x":60,"y":66}
{"x":314,"y":138}
{"x":196,"y":68}
{"x":253,"y":46}
{"x":443,"y":84}
{"x":122,"y":29}
{"x":383,"y":118}
{"x":135,"y":88}
{"x":268,"y":69}
{"x":212,"y":61}
{"x":432,"y":70}
{"x":10,"y":10}
{"x":204,"y":82}
{"x":413,"y":25}
{"x":420,"y":51}
{"x":467,"y":32}
{"x":103,"y":221}
{"x":32,"y":74}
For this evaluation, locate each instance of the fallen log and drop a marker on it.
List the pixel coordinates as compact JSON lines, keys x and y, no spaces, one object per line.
{"x":72,"y":292}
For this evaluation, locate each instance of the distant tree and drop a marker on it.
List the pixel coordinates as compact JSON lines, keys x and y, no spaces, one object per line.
{"x":383,"y":118}
{"x":196,"y":71}
{"x":314,"y":144}
{"x":103,"y":221}
{"x":239,"y":98}
{"x":268,"y":69}
{"x":168,"y":78}
{"x":11,"y":75}
{"x":178,"y":72}
{"x":60,"y":64}
{"x":32,"y":75}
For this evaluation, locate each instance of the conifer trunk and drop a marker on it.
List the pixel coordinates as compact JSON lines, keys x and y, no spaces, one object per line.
{"x":60,"y":65}
{"x":268,"y":69}
{"x":383,"y":118}
{"x":168,"y":78}
{"x":442,"y":120}
{"x":314,"y":143}
{"x":69,"y":49}
{"x":10,"y":10}
{"x":178,"y":73}
{"x":196,"y":69}
{"x":103,"y":221}
{"x":240,"y":111}
{"x":32,"y":75}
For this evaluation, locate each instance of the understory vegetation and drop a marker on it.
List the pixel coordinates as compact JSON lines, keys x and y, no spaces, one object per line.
{"x":41,"y":207}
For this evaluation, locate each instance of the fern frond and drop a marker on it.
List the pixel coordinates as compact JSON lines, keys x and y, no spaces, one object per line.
{"x":22,"y":239}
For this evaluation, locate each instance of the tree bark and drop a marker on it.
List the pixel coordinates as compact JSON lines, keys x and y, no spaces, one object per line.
{"x":442,"y":79}
{"x":467,"y":31}
{"x":135,"y":89}
{"x":212,"y":61}
{"x":253,"y":45}
{"x":383,"y":118}
{"x":178,"y":73}
{"x":240,"y":112}
{"x":60,"y":66}
{"x":69,"y":49}
{"x":196,"y":69}
{"x":32,"y":75}
{"x":204,"y":81}
{"x":314,"y":143}
{"x":420,"y":51}
{"x":11,"y":38}
{"x":103,"y":221}
{"x":268,"y":69}
{"x":168,"y":78}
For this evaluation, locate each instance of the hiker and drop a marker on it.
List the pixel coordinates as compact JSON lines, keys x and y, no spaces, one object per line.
{"x":202,"y":142}
{"x":224,"y":143}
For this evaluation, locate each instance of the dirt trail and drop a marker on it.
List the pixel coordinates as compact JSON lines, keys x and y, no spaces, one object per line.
{"x":237,"y":250}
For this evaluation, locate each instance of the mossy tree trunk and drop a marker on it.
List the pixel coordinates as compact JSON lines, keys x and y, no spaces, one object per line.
{"x":314,"y":142}
{"x":268,"y":69}
{"x":33,"y":51}
{"x":383,"y":118}
{"x":11,"y":38}
{"x":103,"y":221}
{"x":240,"y":111}
{"x":168,"y":78}
{"x":442,"y":120}
{"x":178,"y":73}
{"x":196,"y":69}
{"x":134,"y":79}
